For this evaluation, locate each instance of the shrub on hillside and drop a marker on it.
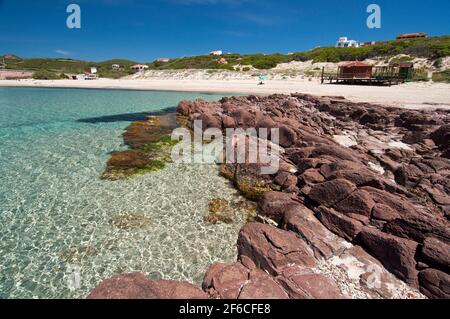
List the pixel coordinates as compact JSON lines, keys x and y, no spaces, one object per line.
{"x":45,"y":75}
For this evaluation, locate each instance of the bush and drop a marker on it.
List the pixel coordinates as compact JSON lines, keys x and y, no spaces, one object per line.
{"x":420,"y":76}
{"x":442,"y":76}
{"x":246,"y":69}
{"x":45,"y":75}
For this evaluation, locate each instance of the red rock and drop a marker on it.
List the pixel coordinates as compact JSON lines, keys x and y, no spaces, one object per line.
{"x":272,"y":249}
{"x":442,"y":136}
{"x":359,"y":203}
{"x":396,"y":254}
{"x":331,"y":192}
{"x":228,"y":122}
{"x":300,"y":283}
{"x":243,"y":118}
{"x":262,"y":286}
{"x":339,"y":224}
{"x":302,"y":221}
{"x":184,"y":108}
{"x":384,"y":213}
{"x":396,"y":202}
{"x":312,"y":176}
{"x":287,"y":136}
{"x":210,"y":121}
{"x":225,"y":281}
{"x":419,"y":225}
{"x":210,"y":273}
{"x":435,"y":284}
{"x":275,"y":204}
{"x":138,"y":286}
{"x":373,"y":277}
{"x":436,"y":252}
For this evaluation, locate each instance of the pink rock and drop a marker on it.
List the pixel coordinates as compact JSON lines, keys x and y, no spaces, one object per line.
{"x":138,"y":286}
{"x":435,"y":283}
{"x":339,"y":224}
{"x":301,"y":283}
{"x":272,"y":249}
{"x":396,"y":254}
{"x":275,"y":204}
{"x":332,"y":192}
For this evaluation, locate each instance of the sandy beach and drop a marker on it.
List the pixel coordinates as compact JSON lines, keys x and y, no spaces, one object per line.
{"x":409,"y":95}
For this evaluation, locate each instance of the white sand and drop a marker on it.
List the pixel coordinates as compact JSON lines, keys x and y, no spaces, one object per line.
{"x":410,"y":95}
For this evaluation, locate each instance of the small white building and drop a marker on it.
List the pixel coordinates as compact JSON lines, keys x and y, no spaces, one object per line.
{"x":115,"y":67}
{"x":344,"y":42}
{"x":218,"y":52}
{"x":2,"y":66}
{"x":164,"y":60}
{"x":93,"y":70}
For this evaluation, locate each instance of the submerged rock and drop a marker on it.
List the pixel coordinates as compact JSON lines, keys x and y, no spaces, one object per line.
{"x":130,"y":221}
{"x":151,"y":146}
{"x":75,"y":255}
{"x":219,"y":211}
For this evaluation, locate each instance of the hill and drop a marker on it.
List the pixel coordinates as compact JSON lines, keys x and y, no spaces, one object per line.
{"x":431,"y":48}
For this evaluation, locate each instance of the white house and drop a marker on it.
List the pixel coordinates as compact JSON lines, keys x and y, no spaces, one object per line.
{"x":164,"y":60}
{"x":115,"y":67}
{"x":344,"y":42}
{"x":93,"y":70}
{"x":218,"y":52}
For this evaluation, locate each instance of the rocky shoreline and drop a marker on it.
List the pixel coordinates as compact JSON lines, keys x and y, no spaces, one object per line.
{"x":359,"y":208}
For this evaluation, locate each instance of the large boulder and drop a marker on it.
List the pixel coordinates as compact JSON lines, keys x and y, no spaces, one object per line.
{"x":287,"y":136}
{"x":338,"y":223}
{"x":138,"y":286}
{"x":225,"y":281}
{"x":331,"y":192}
{"x":262,"y":286}
{"x":302,"y":221}
{"x":436,"y":252}
{"x":396,"y":254}
{"x":417,"y":226}
{"x":275,"y":204}
{"x":435,"y":283}
{"x":359,"y":202}
{"x":272,"y":249}
{"x":302,"y":283}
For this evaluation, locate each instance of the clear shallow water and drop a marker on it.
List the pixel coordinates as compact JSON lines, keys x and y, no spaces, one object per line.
{"x":55,"y":212}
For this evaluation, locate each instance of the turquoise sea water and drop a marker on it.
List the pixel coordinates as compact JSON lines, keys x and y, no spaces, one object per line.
{"x":55,"y":212}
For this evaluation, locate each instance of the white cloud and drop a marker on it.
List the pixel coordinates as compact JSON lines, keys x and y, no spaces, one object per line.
{"x":62,"y":52}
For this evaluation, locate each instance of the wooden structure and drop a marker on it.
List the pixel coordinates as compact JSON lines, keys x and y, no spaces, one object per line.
{"x":409,"y":36}
{"x":363,"y":73}
{"x":355,"y":70}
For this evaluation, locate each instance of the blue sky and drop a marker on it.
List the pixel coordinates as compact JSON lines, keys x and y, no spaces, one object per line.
{"x":145,"y":30}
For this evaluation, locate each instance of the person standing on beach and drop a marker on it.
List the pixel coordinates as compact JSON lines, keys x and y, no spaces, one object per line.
{"x":262,"y":78}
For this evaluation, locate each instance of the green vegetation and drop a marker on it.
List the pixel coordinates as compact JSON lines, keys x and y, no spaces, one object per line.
{"x":442,"y":76}
{"x":52,"y":68}
{"x":431,"y":48}
{"x":45,"y":75}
